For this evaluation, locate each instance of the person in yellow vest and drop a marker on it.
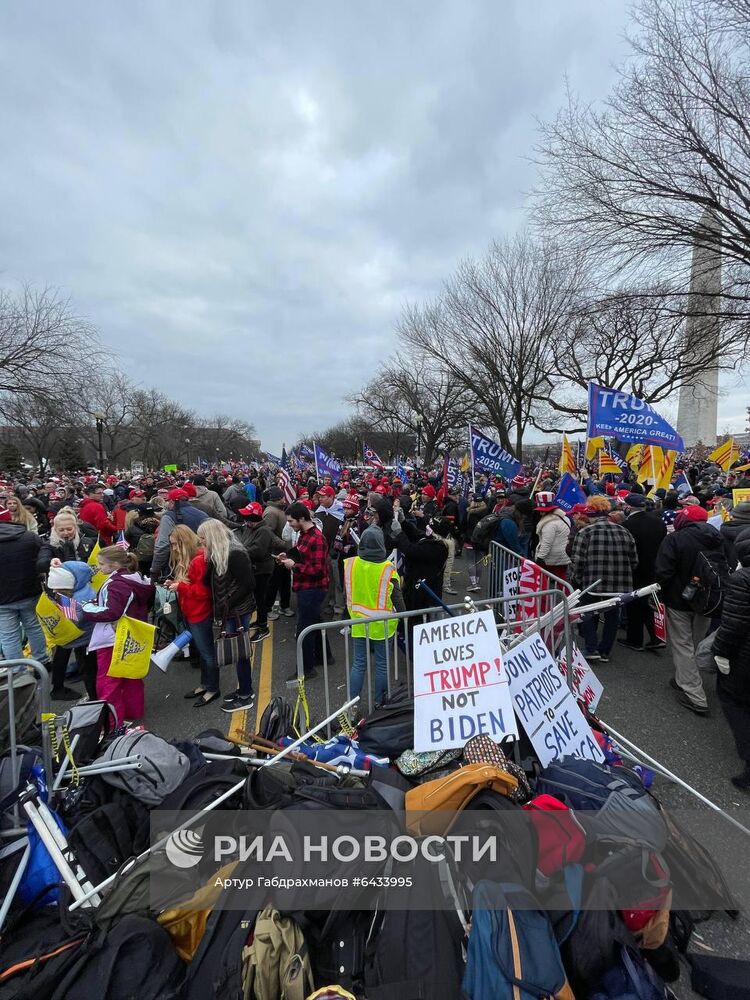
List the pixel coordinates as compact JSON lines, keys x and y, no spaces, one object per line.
{"x":372,"y":588}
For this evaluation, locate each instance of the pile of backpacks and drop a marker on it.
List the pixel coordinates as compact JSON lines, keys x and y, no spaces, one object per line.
{"x":549,"y":920}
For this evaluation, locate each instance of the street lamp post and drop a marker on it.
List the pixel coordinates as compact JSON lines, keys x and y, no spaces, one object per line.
{"x":187,"y":450}
{"x":99,"y":417}
{"x":419,"y":439}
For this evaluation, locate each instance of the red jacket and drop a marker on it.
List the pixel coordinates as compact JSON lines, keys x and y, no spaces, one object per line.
{"x":94,"y":513}
{"x":193,"y":595}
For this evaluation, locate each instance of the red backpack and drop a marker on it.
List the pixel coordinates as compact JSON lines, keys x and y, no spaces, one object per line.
{"x":561,"y":837}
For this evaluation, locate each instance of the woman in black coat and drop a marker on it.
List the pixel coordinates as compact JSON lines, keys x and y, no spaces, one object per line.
{"x":67,"y":542}
{"x":731,"y":647}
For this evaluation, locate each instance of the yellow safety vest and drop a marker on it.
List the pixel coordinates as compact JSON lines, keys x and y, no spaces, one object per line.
{"x":369,"y":587}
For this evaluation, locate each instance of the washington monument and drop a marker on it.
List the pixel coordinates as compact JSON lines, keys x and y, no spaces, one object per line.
{"x":697,"y":412}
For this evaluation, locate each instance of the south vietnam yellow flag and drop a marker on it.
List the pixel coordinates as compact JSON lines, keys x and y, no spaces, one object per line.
{"x":650,"y":463}
{"x":665,"y":471}
{"x":131,"y":654}
{"x":633,"y":457}
{"x":592,"y":447}
{"x":725,"y":455}
{"x":608,"y":464}
{"x":567,"y":458}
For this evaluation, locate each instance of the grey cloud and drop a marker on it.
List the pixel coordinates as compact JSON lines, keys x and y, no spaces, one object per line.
{"x":242,"y":195}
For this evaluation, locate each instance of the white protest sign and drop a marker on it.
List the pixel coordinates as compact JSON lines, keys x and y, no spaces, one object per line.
{"x":511,"y":580}
{"x":548,"y":711}
{"x":460,"y":685}
{"x":586,"y":684}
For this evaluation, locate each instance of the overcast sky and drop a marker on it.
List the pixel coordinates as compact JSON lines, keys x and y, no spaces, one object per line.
{"x":242,"y":195}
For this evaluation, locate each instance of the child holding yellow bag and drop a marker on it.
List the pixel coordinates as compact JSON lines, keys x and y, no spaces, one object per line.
{"x":124,"y":592}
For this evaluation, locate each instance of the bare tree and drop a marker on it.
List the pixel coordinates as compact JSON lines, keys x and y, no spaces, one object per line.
{"x":494,"y":329}
{"x":632,"y":182}
{"x":40,"y":336}
{"x":631,"y":340}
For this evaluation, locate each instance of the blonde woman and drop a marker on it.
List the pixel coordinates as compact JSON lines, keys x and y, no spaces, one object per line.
{"x":65,"y":543}
{"x":230,"y":577}
{"x":21,"y":515}
{"x":183,"y":544}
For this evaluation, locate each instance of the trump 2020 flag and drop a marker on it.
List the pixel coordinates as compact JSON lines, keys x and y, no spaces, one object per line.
{"x":619,"y":414}
{"x":325,"y":464}
{"x":371,"y":457}
{"x":489,"y":456}
{"x":401,"y":472}
{"x":569,"y":493}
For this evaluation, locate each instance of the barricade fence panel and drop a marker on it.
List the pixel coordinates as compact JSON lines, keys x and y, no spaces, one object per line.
{"x":546,"y":612}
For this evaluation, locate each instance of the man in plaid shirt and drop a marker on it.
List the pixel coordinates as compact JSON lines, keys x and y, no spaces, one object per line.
{"x":603,"y":552}
{"x":308,"y":561}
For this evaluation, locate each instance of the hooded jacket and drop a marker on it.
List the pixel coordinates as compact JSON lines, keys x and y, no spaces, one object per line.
{"x":425,"y":560}
{"x":122,"y":593}
{"x":275,"y":517}
{"x":676,"y":558}
{"x":19,"y":550}
{"x":181,"y":513}
{"x":93,"y":512}
{"x":553,"y":532}
{"x":65,"y":551}
{"x":261,"y":545}
{"x":732,"y":638}
{"x":211,"y":504}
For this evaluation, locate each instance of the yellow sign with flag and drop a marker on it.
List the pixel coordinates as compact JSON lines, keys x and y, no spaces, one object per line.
{"x":98,"y":578}
{"x":725,"y":455}
{"x":740,"y":496}
{"x":134,"y":643}
{"x":567,"y":458}
{"x":650,"y":462}
{"x":58,"y":630}
{"x":633,"y":457}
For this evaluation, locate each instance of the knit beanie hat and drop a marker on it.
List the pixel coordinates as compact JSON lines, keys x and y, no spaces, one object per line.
{"x":372,"y":545}
{"x":60,"y":578}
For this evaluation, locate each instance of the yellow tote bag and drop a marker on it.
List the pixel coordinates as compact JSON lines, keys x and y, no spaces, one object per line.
{"x":58,"y":630}
{"x":98,"y":578}
{"x":131,"y":654}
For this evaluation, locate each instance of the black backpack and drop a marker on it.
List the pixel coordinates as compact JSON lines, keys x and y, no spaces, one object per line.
{"x":389,"y":729}
{"x":276,"y":721}
{"x":710,"y":574}
{"x":483,"y":531}
{"x":109,"y":835}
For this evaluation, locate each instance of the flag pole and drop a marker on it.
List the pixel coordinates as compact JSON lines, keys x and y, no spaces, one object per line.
{"x":315,"y":457}
{"x":471,"y":453}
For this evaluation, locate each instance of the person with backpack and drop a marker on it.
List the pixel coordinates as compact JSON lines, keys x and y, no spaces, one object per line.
{"x":731,"y":649}
{"x":553,"y":533}
{"x":476,"y":512}
{"x":692,"y":570}
{"x":178,"y":511}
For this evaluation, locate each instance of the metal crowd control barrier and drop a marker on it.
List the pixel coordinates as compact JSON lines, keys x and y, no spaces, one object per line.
{"x":546,"y":612}
{"x":10,"y":672}
{"x":504,"y":561}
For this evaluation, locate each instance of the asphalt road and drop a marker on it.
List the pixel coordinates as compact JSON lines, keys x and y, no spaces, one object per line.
{"x":637,"y":703}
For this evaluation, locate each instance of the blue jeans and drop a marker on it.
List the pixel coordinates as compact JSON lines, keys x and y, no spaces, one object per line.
{"x":12,"y":617}
{"x":590,"y":630}
{"x":203,"y":637}
{"x":359,"y":667}
{"x":244,"y":677}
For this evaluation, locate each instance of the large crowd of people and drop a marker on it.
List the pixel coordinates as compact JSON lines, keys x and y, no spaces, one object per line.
{"x":240,"y":547}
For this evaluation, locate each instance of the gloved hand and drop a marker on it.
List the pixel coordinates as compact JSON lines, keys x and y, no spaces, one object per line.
{"x":722,"y":663}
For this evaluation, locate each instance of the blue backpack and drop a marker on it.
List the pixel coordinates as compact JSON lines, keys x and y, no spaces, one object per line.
{"x":512,"y":949}
{"x":631,"y":979}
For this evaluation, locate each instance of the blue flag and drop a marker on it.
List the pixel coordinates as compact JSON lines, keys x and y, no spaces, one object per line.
{"x":682,"y":483}
{"x":488,"y":456}
{"x":273,"y":459}
{"x":325,"y":464}
{"x":401,"y":472}
{"x":569,"y":493}
{"x":621,"y":415}
{"x":307,"y":452}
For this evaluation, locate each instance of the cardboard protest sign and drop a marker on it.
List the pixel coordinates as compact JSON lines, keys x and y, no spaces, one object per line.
{"x":660,"y":622}
{"x":511,"y":579}
{"x":586,"y":684}
{"x":547,"y":710}
{"x":460,"y":684}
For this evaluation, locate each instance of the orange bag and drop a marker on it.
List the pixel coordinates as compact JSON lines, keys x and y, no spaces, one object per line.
{"x":432,"y":808}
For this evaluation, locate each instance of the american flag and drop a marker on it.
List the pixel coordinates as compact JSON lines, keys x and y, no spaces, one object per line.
{"x":122,"y":541}
{"x":69,"y":607}
{"x":284,"y":478}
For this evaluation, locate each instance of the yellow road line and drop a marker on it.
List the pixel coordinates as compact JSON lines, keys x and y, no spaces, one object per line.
{"x":240,"y":721}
